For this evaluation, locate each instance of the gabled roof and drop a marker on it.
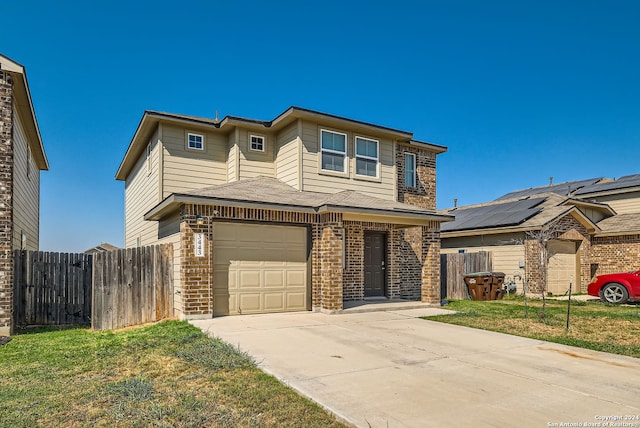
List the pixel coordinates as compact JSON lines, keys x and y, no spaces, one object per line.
{"x":568,"y":188}
{"x":150,"y":120}
{"x":271,"y":193}
{"x":511,"y":215}
{"x":102,"y":248}
{"x":622,"y":184}
{"x":24,"y":106}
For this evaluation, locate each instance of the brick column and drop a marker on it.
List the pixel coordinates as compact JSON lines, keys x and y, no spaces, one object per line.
{"x":196,"y":272}
{"x":329,"y":261}
{"x":6,"y":204}
{"x":535,"y":274}
{"x":431,"y":263}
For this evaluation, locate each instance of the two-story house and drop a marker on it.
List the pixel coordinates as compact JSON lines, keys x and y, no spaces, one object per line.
{"x":303,"y":212}
{"x":22,"y":157}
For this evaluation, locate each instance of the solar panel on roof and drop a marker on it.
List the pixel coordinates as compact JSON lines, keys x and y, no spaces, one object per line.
{"x":504,"y":214}
{"x":620,"y":183}
{"x":561,"y":189}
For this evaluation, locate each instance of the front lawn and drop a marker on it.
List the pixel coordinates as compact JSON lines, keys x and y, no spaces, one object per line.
{"x":592,"y":325}
{"x":165,"y":375}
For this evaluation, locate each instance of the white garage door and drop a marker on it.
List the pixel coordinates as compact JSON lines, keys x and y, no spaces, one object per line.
{"x":562,"y":267}
{"x":259,"y":269}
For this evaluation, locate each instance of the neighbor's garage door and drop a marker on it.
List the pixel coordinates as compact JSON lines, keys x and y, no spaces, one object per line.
{"x":259,"y":268}
{"x":562,"y":267}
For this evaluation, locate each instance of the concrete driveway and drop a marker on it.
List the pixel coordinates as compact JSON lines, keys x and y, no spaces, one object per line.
{"x":391,"y":369}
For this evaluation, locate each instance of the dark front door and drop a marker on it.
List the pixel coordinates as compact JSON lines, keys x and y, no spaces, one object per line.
{"x":374,"y":264}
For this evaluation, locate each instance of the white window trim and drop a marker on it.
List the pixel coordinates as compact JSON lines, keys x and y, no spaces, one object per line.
{"x":264,"y":142}
{"x":377,"y":158}
{"x":346,"y":157}
{"x":196,"y":135}
{"x":149,"y":166}
{"x":415,"y":178}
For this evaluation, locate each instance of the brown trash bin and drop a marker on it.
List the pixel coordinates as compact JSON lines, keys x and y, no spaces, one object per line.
{"x":497,"y":285}
{"x":484,"y":285}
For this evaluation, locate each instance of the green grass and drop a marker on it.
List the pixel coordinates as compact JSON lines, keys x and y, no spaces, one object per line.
{"x":164,"y":375}
{"x":592,"y":325}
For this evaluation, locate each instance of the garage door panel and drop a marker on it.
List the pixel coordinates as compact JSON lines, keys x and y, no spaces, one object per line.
{"x":248,"y":279}
{"x":296,"y":300}
{"x":222,"y":280}
{"x":222,"y":302}
{"x":273,"y":302}
{"x":263,"y":268}
{"x":274,"y":278}
{"x":296,"y":278}
{"x":249,"y":303}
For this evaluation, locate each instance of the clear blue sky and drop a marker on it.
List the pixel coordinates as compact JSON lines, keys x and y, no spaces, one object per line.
{"x":517,"y":90}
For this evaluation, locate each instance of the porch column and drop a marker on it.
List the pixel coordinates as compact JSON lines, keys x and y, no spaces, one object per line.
{"x":430,"y":292}
{"x":329,"y":260}
{"x":195,"y":298}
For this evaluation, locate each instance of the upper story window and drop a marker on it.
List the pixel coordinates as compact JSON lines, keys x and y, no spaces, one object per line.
{"x":410,"y":170}
{"x":149,"y":158}
{"x":334,"y":151}
{"x":195,"y":141}
{"x":256,"y":143}
{"x":28,"y":162}
{"x":367,"y":155}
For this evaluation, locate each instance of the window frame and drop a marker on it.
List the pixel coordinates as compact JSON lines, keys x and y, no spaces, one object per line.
{"x":345,"y":154}
{"x":149,"y":164}
{"x":202,"y":141}
{"x":357,"y":156}
{"x":415,"y":178}
{"x":264,"y":142}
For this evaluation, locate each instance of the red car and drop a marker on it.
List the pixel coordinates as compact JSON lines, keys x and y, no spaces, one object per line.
{"x":616,"y":287}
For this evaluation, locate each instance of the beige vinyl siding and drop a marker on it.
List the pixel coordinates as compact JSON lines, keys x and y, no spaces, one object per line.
{"x":232,"y":158}
{"x":507,"y":251}
{"x":186,"y":169}
{"x":313,"y":179}
{"x":140,"y":195}
{"x":622,"y":203}
{"x":255,"y":163}
{"x":593,"y":214}
{"x":26,"y":191}
{"x":287,"y":148}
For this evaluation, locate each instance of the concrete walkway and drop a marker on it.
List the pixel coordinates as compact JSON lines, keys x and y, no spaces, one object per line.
{"x":391,"y":369}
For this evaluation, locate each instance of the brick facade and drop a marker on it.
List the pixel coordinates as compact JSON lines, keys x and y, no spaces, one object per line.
{"x":6,"y":203}
{"x":413,"y":269}
{"x":424,"y":194}
{"x":568,"y":229}
{"x":611,"y":254}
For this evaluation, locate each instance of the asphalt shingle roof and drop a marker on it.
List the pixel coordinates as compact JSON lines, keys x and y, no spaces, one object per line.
{"x":621,"y":223}
{"x":273,"y":191}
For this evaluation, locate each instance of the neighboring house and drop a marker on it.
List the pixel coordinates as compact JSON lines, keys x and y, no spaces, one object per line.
{"x":303,"y":212}
{"x":102,"y":248}
{"x":22,"y":157}
{"x":591,"y":236}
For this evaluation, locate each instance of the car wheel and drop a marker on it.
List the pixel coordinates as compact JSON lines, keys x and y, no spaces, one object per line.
{"x":614,"y":293}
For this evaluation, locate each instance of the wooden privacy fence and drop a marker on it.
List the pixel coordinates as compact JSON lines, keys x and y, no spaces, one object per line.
{"x":132,"y":286}
{"x":108,"y":290}
{"x":453,"y":268}
{"x":52,"y":288}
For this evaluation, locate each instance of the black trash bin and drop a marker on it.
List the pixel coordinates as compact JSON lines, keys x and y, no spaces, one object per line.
{"x":484,"y":285}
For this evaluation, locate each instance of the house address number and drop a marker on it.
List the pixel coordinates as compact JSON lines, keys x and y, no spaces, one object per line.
{"x":199,"y":244}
